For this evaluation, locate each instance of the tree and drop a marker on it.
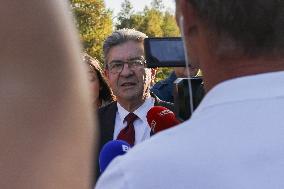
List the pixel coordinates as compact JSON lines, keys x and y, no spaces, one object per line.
{"x":169,"y":26}
{"x":153,"y":20}
{"x":157,"y":5}
{"x":94,"y":23}
{"x":125,"y":14}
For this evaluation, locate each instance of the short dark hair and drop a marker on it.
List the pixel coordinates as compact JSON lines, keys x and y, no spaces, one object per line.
{"x":251,"y":26}
{"x":121,"y":36}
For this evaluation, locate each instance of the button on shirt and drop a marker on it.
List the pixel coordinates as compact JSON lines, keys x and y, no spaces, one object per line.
{"x":142,"y":130}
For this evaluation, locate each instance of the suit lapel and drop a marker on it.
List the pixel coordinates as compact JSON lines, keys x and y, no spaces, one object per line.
{"x":107,"y":123}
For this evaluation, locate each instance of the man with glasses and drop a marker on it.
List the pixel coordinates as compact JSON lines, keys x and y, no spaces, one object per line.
{"x":125,"y":69}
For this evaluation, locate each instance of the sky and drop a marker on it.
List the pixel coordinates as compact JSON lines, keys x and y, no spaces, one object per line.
{"x":138,"y":5}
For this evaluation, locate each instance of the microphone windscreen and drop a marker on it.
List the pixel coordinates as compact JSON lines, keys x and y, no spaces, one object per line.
{"x":111,"y":150}
{"x":160,"y":118}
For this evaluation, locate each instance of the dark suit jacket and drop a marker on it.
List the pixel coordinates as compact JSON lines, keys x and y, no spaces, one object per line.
{"x":106,"y":116}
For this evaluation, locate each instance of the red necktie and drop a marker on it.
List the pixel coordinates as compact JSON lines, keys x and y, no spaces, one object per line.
{"x":128,"y":133}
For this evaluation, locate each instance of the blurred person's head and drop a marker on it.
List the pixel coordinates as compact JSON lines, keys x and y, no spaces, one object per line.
{"x":125,"y":66}
{"x":48,"y":133}
{"x":231,"y":38}
{"x":98,"y":84}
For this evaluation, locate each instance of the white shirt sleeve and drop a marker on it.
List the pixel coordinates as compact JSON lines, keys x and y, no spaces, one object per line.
{"x":113,"y":177}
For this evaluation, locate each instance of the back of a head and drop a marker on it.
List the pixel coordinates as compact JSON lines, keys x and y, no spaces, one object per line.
{"x":105,"y":93}
{"x":249,"y":27}
{"x":47,"y":126}
{"x":94,"y":63}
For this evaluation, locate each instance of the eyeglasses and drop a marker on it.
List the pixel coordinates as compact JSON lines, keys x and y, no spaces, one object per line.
{"x":117,"y":66}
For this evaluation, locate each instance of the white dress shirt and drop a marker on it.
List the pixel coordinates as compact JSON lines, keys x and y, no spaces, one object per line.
{"x":142,"y":129}
{"x":234,"y":140}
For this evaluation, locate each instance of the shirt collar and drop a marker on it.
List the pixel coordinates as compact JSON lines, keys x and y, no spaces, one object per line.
{"x":122,"y":113}
{"x":257,"y":86}
{"x":141,"y":112}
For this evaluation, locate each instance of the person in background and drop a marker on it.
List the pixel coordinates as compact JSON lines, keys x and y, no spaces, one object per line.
{"x":234,"y":139}
{"x":47,"y":130}
{"x":99,"y":86}
{"x":163,"y":89}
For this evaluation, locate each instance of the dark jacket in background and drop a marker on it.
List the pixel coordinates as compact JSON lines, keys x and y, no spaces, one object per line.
{"x":164,"y":89}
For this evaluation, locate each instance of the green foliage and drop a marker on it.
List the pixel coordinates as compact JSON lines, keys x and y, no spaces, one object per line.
{"x":125,"y":14}
{"x":163,"y":73}
{"x":153,"y":20}
{"x":126,"y":10}
{"x":169,"y":26}
{"x":157,"y":5}
{"x":94,"y":23}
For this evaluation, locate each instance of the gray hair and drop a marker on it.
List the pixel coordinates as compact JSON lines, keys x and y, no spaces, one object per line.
{"x":121,"y":36}
{"x":251,"y":27}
